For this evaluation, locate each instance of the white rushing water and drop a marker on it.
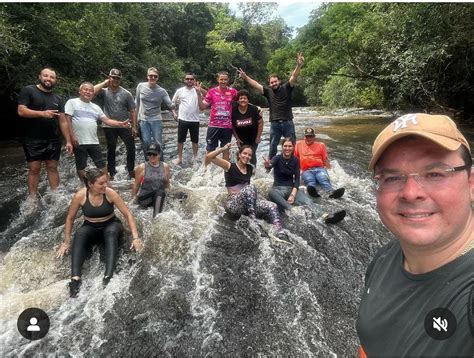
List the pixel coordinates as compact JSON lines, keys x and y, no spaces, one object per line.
{"x":205,"y":285}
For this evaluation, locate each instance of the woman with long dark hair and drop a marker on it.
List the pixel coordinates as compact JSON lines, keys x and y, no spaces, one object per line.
{"x":242,"y":196}
{"x":100,"y":226}
{"x":285,"y":190}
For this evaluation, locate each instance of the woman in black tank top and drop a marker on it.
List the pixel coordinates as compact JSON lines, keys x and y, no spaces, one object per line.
{"x":242,"y":196}
{"x":100,"y":226}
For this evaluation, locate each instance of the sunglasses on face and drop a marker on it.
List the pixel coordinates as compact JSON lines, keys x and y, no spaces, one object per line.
{"x":153,"y":76}
{"x":152,"y":154}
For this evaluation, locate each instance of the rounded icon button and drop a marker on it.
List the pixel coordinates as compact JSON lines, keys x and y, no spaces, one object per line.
{"x":440,"y":324}
{"x":33,"y":323}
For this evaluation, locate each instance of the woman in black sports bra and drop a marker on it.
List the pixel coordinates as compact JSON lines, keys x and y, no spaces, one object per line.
{"x":100,"y":226}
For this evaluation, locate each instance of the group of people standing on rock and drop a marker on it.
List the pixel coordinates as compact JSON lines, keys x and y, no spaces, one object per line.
{"x":231,"y":115}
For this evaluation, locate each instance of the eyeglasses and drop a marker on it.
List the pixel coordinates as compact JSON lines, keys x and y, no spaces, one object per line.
{"x":153,"y":76}
{"x":152,"y":154}
{"x":430,"y":177}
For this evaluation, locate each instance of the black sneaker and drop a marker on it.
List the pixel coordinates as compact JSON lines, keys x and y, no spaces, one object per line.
{"x":334,"y":218}
{"x":336,"y":194}
{"x":74,"y":287}
{"x":111,"y":177}
{"x":106,"y":280}
{"x":312,"y":191}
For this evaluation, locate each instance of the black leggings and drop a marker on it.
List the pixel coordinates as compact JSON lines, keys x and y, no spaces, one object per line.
{"x":87,"y":235}
{"x":155,"y":199}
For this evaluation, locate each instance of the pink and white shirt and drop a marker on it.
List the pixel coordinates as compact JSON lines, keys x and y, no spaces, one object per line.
{"x":221,"y":106}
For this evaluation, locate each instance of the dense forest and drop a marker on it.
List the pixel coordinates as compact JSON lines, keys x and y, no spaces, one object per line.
{"x":374,"y":55}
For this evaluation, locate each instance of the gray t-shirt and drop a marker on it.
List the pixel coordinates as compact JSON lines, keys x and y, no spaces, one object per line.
{"x":117,"y":104}
{"x":149,"y":99}
{"x":396,"y":303}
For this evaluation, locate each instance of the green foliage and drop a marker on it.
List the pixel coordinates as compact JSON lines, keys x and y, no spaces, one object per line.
{"x":82,"y":41}
{"x":223,"y":41}
{"x":395,"y":54}
{"x":339,"y":92}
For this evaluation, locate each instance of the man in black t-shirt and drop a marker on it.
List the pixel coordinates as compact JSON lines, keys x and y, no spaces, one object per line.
{"x":44,"y":117}
{"x":418,"y":299}
{"x":247,"y":123}
{"x":280,"y":103}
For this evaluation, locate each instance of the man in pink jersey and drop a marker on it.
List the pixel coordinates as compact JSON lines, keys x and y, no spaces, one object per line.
{"x":219,"y":99}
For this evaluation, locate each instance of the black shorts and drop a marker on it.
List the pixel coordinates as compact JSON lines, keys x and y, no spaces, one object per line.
{"x":183,"y":127}
{"x":93,"y":150}
{"x":41,"y":149}
{"x":214,"y":135}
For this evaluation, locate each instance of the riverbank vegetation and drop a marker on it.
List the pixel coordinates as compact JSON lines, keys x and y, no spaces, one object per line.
{"x":372,"y":55}
{"x":389,"y":55}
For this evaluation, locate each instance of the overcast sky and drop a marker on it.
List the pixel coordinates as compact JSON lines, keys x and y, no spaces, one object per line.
{"x":295,"y":13}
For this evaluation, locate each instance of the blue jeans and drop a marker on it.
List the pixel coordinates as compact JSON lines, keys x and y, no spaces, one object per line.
{"x":315,"y":176}
{"x":149,"y":130}
{"x":280,"y":194}
{"x":280,"y":129}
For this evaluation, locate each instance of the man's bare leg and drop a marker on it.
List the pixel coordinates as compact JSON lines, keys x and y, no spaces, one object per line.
{"x":53,"y":174}
{"x":180,"y":154}
{"x":195,"y":152}
{"x":34,"y":170}
{"x":82,"y":175}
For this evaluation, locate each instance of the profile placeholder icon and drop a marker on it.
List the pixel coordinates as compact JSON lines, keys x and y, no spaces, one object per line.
{"x":33,"y":323}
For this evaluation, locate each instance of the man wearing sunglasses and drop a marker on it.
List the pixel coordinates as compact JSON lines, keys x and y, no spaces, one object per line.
{"x":118,"y":104}
{"x":188,"y":116}
{"x":149,"y":97}
{"x":418,"y":297}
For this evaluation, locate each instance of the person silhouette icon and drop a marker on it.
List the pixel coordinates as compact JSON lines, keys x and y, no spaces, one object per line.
{"x":33,"y":323}
{"x":33,"y":327}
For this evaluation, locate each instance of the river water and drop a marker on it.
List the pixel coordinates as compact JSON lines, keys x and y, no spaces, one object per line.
{"x":204,"y":285}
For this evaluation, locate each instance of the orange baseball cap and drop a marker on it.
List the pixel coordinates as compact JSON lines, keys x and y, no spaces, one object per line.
{"x":437,"y":128}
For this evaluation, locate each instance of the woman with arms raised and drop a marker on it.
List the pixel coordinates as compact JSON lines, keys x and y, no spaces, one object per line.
{"x":100,"y":226}
{"x":242,"y":196}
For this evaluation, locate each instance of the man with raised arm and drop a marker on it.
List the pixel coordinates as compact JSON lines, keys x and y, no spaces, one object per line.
{"x":83,"y":116}
{"x":279,"y":98}
{"x":44,"y":114}
{"x":219,"y":99}
{"x":118,"y":103}
{"x":418,"y":299}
